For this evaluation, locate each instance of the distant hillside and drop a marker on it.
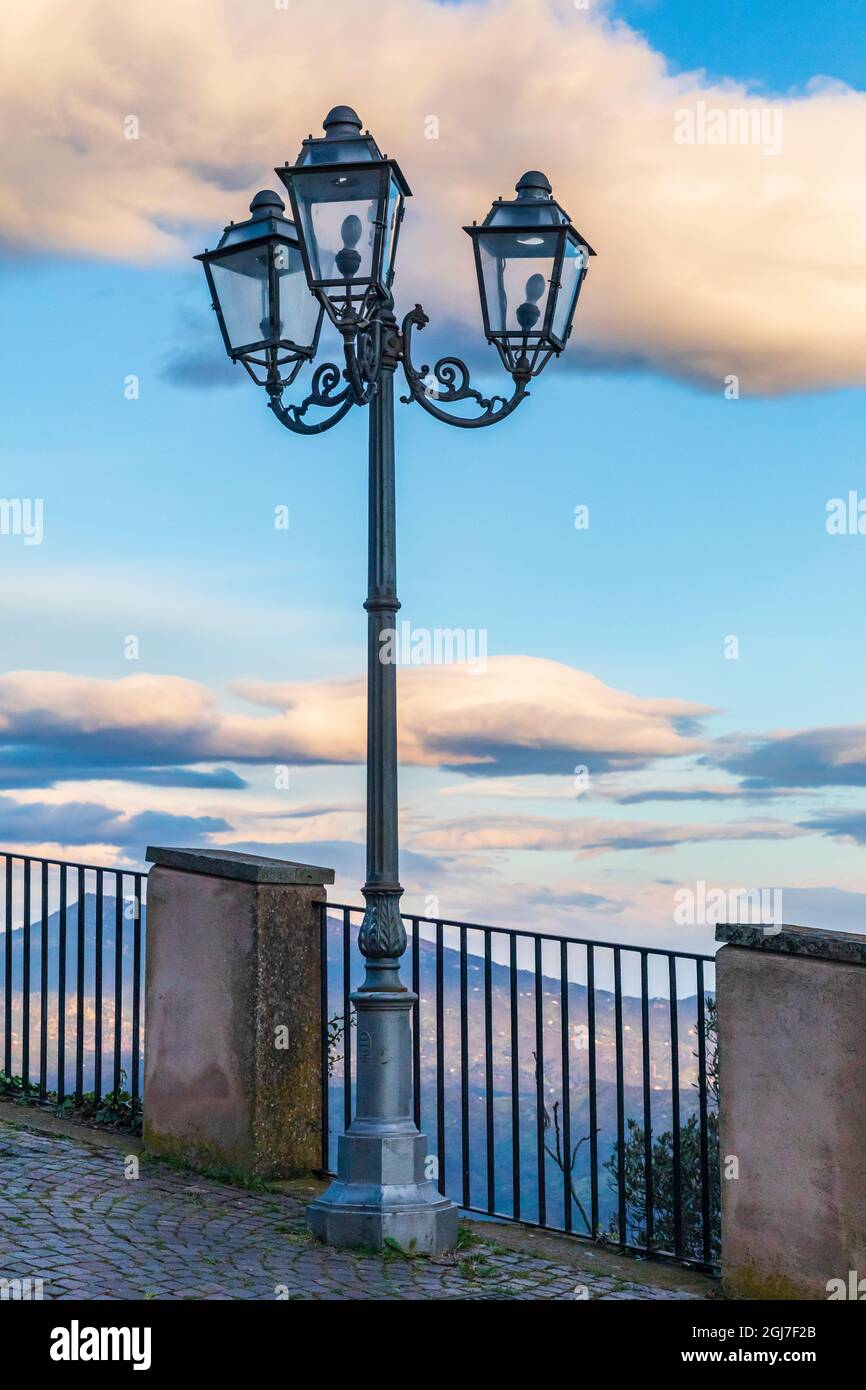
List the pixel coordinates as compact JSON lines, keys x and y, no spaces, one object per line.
{"x":578,"y":1056}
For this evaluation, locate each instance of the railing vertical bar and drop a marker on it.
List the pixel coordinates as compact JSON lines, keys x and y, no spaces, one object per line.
{"x":676,"y":1156}
{"x":79,"y":992}
{"x":347,"y":1031}
{"x":43,"y":982}
{"x":135,"y":1080}
{"x":488,"y":1070}
{"x":324,"y":1011}
{"x":416,"y":1025}
{"x":25,"y":982}
{"x":593,"y":1086}
{"x":566,"y":1086}
{"x":647,"y":1098}
{"x":539,"y":1084}
{"x":464,"y":1069}
{"x":97,"y":989}
{"x":7,"y":1040}
{"x":440,"y":1057}
{"x":515,"y":1080}
{"x":118,"y":977}
{"x":61,"y":990}
{"x":702,"y":1101}
{"x":620,"y":1099}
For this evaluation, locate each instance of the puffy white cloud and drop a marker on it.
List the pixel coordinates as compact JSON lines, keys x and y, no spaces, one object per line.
{"x":144,"y":707}
{"x":714,"y":258}
{"x":521,"y":714}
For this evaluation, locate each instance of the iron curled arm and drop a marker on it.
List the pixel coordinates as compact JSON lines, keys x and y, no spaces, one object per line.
{"x":449,"y":382}
{"x":363,"y":361}
{"x":323,"y":394}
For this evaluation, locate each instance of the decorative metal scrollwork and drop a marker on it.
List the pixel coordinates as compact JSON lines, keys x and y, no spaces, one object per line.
{"x":323,"y":394}
{"x":364,"y":361}
{"x":449,"y":383}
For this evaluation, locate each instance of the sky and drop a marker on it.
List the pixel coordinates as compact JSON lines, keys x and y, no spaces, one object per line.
{"x":671,"y":694}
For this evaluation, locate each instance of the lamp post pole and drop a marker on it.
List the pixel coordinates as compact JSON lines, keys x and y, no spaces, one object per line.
{"x":382,"y":1191}
{"x":382,"y":935}
{"x":271,"y":281}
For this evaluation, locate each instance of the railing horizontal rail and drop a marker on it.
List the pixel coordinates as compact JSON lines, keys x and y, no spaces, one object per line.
{"x":531,"y":935}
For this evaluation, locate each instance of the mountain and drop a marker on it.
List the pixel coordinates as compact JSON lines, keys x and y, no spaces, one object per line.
{"x":500,"y":1070}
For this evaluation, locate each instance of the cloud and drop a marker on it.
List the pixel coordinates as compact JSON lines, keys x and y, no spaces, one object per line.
{"x":588,"y":837}
{"x":26,"y":766}
{"x":689,"y":794}
{"x":203,"y":369}
{"x":89,"y":823}
{"x":346,"y":857}
{"x":521,"y":714}
{"x":714,"y":258}
{"x":834,"y":909}
{"x":558,"y":900}
{"x":821,"y":757}
{"x":847,"y":826}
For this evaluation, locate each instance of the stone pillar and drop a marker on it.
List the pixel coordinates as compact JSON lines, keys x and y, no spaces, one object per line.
{"x":233,"y":1011}
{"x":792,"y":1110}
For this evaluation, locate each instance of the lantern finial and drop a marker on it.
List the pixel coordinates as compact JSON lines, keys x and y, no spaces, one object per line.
{"x":267,"y":198}
{"x":341,"y":122}
{"x":533,"y":185}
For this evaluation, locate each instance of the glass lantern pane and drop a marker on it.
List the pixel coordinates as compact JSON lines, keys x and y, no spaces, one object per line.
{"x":241,"y":284}
{"x":298,"y":308}
{"x":573,"y":265}
{"x":392,"y":223}
{"x":516,"y":268}
{"x":338,"y":222}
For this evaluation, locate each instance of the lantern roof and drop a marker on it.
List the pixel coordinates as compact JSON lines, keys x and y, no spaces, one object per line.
{"x":534,"y":206}
{"x":344,"y":142}
{"x":267,"y":209}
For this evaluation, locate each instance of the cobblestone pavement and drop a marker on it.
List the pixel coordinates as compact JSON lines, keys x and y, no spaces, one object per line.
{"x":70,"y":1216}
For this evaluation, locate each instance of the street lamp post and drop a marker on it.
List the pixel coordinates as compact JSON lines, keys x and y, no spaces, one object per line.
{"x":271,"y":281}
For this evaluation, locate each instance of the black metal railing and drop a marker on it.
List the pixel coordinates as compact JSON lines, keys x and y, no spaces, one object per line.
{"x":566,"y":1083}
{"x":71,"y":960}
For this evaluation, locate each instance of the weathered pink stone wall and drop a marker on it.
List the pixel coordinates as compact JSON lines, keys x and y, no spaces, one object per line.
{"x":792,"y":1031}
{"x":230,"y":961}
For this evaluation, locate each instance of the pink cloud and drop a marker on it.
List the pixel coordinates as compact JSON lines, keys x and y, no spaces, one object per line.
{"x":715,"y":258}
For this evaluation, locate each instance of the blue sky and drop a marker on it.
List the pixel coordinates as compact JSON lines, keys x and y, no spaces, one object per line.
{"x":707,"y":520}
{"x":775,"y":45}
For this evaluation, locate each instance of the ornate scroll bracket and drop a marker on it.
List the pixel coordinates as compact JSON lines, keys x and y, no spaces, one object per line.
{"x":448,"y":383}
{"x":363,"y":361}
{"x":323,"y":394}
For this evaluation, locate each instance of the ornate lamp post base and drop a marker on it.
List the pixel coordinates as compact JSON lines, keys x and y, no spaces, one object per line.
{"x":383,"y":1192}
{"x":384,"y":1197}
